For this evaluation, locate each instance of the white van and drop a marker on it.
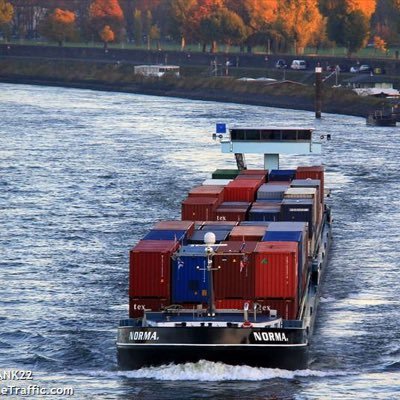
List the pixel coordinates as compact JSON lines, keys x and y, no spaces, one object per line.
{"x":298,"y":64}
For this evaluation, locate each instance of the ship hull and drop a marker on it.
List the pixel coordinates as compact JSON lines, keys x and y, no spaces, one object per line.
{"x":285,"y":348}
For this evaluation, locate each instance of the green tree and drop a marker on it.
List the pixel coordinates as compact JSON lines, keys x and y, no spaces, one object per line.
{"x":6,"y":14}
{"x":59,"y":26}
{"x":349,"y":30}
{"x":137,"y":27}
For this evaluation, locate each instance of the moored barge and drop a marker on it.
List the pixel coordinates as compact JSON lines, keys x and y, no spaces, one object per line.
{"x":236,"y":280}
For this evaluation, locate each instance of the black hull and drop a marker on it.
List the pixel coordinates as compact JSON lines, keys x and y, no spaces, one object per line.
{"x":273,"y":357}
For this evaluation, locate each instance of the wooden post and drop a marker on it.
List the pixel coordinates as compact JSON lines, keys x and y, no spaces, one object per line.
{"x":318,"y":91}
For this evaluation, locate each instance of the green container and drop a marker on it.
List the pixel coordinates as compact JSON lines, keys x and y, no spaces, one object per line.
{"x":225,"y":174}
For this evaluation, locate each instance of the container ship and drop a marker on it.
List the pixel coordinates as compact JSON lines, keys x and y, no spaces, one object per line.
{"x":237,"y":279}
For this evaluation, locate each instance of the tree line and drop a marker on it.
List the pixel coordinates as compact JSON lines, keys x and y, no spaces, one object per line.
{"x":276,"y":25}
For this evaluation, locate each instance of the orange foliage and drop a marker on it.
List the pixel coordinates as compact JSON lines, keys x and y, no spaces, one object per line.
{"x":106,"y":34}
{"x":101,"y":9}
{"x":301,"y":21}
{"x":63,"y":17}
{"x":366,"y":6}
{"x":379,"y":43}
{"x":263,"y":11}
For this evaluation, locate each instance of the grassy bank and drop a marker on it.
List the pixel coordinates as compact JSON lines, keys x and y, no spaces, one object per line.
{"x":121,"y":77}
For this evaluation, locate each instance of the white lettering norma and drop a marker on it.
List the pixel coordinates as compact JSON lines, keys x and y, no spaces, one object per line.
{"x":151,"y":336}
{"x":270,"y":337}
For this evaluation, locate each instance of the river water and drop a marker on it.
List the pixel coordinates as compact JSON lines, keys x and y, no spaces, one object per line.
{"x":84,"y":174}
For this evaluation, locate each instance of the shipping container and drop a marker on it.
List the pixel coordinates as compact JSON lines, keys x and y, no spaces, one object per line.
{"x":233,"y":304}
{"x":138,"y":305}
{"x":199,"y":208}
{"x":306,"y":193}
{"x":217,"y":182}
{"x":247,"y":233}
{"x":218,"y":225}
{"x":286,"y":308}
{"x":236,"y":204}
{"x":300,"y":210}
{"x":301,"y":238}
{"x":180,"y":236}
{"x":198,"y":236}
{"x":225,"y":174}
{"x":190,"y":276}
{"x":230,"y":214}
{"x":175,"y":225}
{"x":208,"y":191}
{"x":276,"y":270}
{"x":314,"y":172}
{"x":269,"y":213}
{"x":150,"y":268}
{"x":254,"y":172}
{"x":269,"y":191}
{"x":234,"y":270}
{"x":282,"y":175}
{"x":260,"y":178}
{"x":254,"y":223}
{"x":241,"y":190}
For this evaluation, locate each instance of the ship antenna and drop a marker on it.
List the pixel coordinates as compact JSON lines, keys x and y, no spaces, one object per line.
{"x":209,"y":240}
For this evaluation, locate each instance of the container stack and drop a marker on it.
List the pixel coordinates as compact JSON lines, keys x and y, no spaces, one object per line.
{"x":265,"y":226}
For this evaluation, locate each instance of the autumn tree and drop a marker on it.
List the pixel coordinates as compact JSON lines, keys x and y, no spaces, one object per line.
{"x":300,"y":21}
{"x":59,"y":26}
{"x":379,"y":44}
{"x":107,"y":36}
{"x":106,"y":12}
{"x":258,"y":17}
{"x":6,"y":14}
{"x":348,"y":21}
{"x":180,"y":13}
{"x":137,"y":27}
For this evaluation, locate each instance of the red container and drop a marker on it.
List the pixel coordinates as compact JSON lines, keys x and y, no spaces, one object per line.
{"x":315,"y":172}
{"x":208,"y":191}
{"x":199,"y":208}
{"x":137,"y":305}
{"x":276,"y":269}
{"x":260,"y":178}
{"x":150,"y":268}
{"x":230,"y":214}
{"x":175,"y":226}
{"x":248,"y":233}
{"x":254,"y":172}
{"x":232,"y":304}
{"x":234,"y":277}
{"x":286,"y":308}
{"x":242,"y":190}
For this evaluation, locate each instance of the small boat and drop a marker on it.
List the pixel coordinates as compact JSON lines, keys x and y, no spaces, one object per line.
{"x":381,"y":118}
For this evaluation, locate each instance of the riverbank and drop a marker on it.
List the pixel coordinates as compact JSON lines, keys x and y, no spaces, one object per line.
{"x":120,"y":77}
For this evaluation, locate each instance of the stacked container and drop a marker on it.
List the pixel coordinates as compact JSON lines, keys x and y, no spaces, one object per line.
{"x":225,"y":174}
{"x":220,"y":235}
{"x":150,"y":271}
{"x":190,"y":276}
{"x":265,"y":211}
{"x":282,"y":175}
{"x":199,"y":208}
{"x":314,"y":172}
{"x":292,"y":232}
{"x":232,"y":211}
{"x":276,"y":274}
{"x":247,"y":233}
{"x":234,"y":272}
{"x":208,"y":191}
{"x":270,"y":191}
{"x":242,"y":190}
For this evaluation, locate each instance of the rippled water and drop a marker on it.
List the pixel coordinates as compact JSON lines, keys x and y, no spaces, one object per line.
{"x":83,"y":175}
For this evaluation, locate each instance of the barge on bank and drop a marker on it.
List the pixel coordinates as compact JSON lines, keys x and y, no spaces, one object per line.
{"x":236,"y":280}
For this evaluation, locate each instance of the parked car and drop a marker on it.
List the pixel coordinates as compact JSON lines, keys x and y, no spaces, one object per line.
{"x":298,"y":64}
{"x":281,"y":64}
{"x":365,"y":69}
{"x":354,"y":69}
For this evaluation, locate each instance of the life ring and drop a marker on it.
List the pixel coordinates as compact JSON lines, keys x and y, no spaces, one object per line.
{"x":247,"y":324}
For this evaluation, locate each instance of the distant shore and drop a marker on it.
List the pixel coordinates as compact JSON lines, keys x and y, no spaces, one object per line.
{"x":94,"y":76}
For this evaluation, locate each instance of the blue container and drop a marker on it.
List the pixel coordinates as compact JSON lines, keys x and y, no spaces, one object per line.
{"x":298,"y":210}
{"x":267,"y":214}
{"x":190,"y":283}
{"x":292,"y":236}
{"x":287,"y":226}
{"x":180,"y":236}
{"x":282,"y":175}
{"x":254,"y":223}
{"x":212,"y":228}
{"x":220,"y":236}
